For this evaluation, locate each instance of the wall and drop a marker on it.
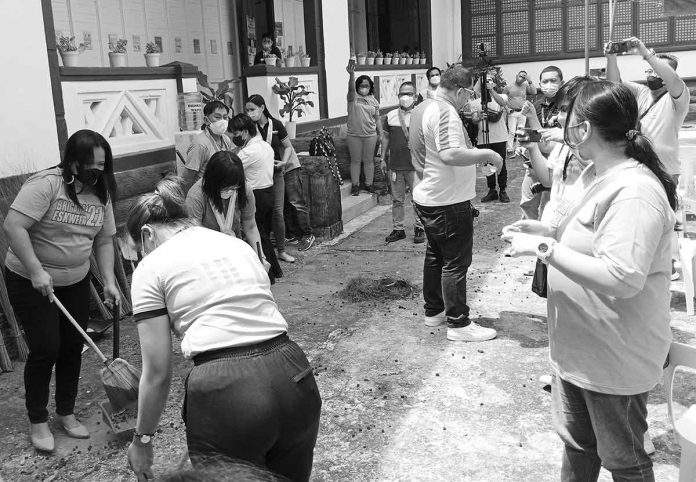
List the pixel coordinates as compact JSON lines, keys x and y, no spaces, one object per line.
{"x":337,"y":49}
{"x":28,"y":134}
{"x":446,"y":25}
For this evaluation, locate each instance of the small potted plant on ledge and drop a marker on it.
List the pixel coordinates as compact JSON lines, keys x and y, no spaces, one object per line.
{"x":293,"y":94}
{"x":423,"y":58}
{"x":402,"y":58}
{"x":117,"y":54}
{"x":288,"y":59}
{"x":388,"y":58}
{"x":371,"y":58}
{"x":379,"y":58}
{"x":409,"y":59}
{"x":69,"y":51}
{"x":362,"y":56}
{"x":270,"y":59}
{"x":152,"y":54}
{"x":305,"y":59}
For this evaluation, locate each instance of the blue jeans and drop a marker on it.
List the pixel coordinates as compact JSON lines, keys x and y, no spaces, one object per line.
{"x":601,"y":429}
{"x":450,"y":234}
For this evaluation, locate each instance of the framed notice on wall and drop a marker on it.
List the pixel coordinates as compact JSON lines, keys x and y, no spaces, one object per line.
{"x":87,"y":40}
{"x":158,"y":42}
{"x":178,"y":46}
{"x":213,"y":47}
{"x":196,"y":46}
{"x":136,"y":43}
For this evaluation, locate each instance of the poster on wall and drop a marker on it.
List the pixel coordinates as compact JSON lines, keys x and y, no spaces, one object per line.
{"x":136,"y":43}
{"x":196,"y":46}
{"x":87,"y":40}
{"x":213,"y":47}
{"x":229,"y":48}
{"x":251,"y":37}
{"x":178,"y":46}
{"x":251,"y":24}
{"x":158,"y":42}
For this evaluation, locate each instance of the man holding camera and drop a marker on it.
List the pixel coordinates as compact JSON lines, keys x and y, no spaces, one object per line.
{"x":445,"y":161}
{"x":517,"y":93}
{"x":662,"y":105}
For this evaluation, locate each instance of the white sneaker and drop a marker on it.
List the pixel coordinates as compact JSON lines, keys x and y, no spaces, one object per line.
{"x":436,"y":320}
{"x":471,"y":332}
{"x":545,"y":380}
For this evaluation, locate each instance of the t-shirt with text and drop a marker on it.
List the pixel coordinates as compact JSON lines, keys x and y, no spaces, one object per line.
{"x":361,"y":116}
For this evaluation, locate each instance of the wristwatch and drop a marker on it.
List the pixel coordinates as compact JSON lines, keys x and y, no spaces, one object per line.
{"x":143,"y":438}
{"x":544,"y":250}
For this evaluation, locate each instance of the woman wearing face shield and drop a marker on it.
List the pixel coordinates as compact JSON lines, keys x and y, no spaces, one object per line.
{"x":433,"y":75}
{"x":609,"y":266}
{"x":251,"y":394}
{"x":210,"y":140}
{"x":59,"y":216}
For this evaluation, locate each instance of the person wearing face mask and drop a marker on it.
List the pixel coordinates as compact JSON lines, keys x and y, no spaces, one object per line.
{"x":257,"y":157}
{"x":364,"y":128}
{"x":445,"y":162}
{"x":663,"y":103}
{"x":517,"y":93}
{"x":251,"y":394}
{"x":268,"y":46}
{"x":397,"y":162}
{"x":608,"y":283}
{"x":433,"y":74}
{"x":210,"y":140}
{"x":59,"y":216}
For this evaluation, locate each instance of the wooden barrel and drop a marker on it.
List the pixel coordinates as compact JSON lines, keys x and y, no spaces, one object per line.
{"x":323,"y":196}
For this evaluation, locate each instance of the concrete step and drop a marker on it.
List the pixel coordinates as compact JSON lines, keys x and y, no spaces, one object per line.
{"x":354,"y":206}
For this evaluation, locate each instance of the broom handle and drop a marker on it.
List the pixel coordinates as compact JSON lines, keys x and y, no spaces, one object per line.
{"x":77,"y":326}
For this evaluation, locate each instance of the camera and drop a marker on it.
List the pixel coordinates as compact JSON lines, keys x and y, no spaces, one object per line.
{"x":617,"y":47}
{"x":484,"y":48}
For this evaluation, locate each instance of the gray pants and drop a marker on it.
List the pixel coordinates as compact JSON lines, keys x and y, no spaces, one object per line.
{"x":398,"y":192}
{"x":532,"y":205}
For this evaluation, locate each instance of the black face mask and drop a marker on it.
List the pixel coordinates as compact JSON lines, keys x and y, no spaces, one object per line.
{"x":238,"y":141}
{"x":89,"y":177}
{"x":655,"y":83}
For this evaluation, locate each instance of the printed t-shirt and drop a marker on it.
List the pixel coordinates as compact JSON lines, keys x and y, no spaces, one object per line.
{"x":399,"y":153}
{"x":517,"y":94}
{"x":257,"y":158}
{"x":361,"y":116}
{"x":565,"y":194}
{"x":63,"y":234}
{"x":497,"y":131}
{"x":217,"y":296}
{"x":278,"y":135}
{"x":201,"y":150}
{"x":435,"y":127}
{"x":610,"y":344}
{"x":661,"y":122}
{"x":200,"y":208}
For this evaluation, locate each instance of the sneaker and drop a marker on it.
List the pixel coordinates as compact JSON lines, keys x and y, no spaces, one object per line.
{"x":370,"y":189}
{"x":436,"y":320}
{"x":306,"y":242}
{"x":355,"y":190}
{"x":418,"y":235}
{"x":545,"y":380}
{"x":511,"y":154}
{"x":292,"y":240}
{"x":284,"y":256}
{"x":491,"y":196}
{"x":471,"y":332}
{"x":504,"y":198}
{"x":395,"y":235}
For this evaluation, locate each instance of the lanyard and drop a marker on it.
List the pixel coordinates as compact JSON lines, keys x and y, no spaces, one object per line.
{"x":269,"y":131}
{"x":402,"y":121}
{"x":226,"y":221}
{"x":223,"y":146}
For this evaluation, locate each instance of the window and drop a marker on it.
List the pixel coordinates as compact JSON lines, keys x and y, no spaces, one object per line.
{"x":517,"y":29}
{"x":389,"y":25}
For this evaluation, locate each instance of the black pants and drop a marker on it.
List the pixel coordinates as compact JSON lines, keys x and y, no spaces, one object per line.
{"x":297,"y":211}
{"x":52,"y":341}
{"x":501,"y":149}
{"x":258,"y":403}
{"x":264,"y":222}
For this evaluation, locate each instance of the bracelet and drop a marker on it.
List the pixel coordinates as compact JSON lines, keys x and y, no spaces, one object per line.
{"x":650,"y":55}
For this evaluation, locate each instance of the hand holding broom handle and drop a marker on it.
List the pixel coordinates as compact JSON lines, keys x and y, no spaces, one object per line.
{"x":79,"y":329}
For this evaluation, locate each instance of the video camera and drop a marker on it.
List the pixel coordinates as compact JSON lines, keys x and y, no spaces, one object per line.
{"x":484,"y":48}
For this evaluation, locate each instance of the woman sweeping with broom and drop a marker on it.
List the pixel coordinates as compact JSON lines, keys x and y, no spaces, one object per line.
{"x":251,"y":394}
{"x":58,"y":217}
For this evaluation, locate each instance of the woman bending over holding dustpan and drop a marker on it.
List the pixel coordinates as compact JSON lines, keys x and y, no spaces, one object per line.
{"x":58,"y":217}
{"x":251,"y":394}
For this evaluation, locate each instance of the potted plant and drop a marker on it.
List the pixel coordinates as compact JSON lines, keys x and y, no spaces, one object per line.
{"x":152,"y":54}
{"x":371,"y":58}
{"x":409,"y":59}
{"x":117,"y":54}
{"x":388,"y":58}
{"x":379,"y":57}
{"x":305,"y":59}
{"x":293,"y":95}
{"x":270,"y":59}
{"x":224,"y":92}
{"x":402,"y":58}
{"x":69,"y":51}
{"x":362,"y":56}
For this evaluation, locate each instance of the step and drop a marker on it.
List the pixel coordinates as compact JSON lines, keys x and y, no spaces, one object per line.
{"x":354,"y":206}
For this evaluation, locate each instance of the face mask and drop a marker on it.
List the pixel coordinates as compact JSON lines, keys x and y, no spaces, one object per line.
{"x":255,"y":115}
{"x":227,"y":193}
{"x":550,"y":90}
{"x":572,"y":138}
{"x":655,"y":83}
{"x":238,"y":141}
{"x":406,"y":101}
{"x":89,"y":177}
{"x":218,"y":127}
{"x":364,"y":91}
{"x":435,"y":80}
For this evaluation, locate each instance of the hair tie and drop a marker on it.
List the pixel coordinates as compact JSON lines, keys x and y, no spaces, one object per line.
{"x":631,"y":134}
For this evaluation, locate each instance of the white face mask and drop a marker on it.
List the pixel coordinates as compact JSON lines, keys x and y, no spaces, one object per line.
{"x":550,"y":90}
{"x":435,"y":80}
{"x":218,"y":127}
{"x":227,"y":193}
{"x":364,"y":91}
{"x":406,"y":101}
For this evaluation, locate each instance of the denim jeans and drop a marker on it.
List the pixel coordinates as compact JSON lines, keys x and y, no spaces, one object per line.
{"x":498,"y":147}
{"x":398,"y":192}
{"x":450,"y":234}
{"x":294,"y":196}
{"x":278,"y":205}
{"x":532,"y":205}
{"x":601,"y":429}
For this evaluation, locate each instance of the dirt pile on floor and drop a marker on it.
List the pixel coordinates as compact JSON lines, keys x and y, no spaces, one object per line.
{"x":385,"y":288}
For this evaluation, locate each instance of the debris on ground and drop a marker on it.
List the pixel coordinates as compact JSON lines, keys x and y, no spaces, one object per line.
{"x":385,"y":288}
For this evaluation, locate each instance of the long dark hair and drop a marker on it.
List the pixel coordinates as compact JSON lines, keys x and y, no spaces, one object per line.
{"x":612,"y":109}
{"x":567,"y":92}
{"x":258,"y":101}
{"x":79,"y":151}
{"x":224,"y":169}
{"x":359,"y":81}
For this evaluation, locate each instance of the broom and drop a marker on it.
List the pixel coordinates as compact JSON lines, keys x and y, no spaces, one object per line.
{"x":22,"y":348}
{"x":5,"y":362}
{"x":120,"y":378}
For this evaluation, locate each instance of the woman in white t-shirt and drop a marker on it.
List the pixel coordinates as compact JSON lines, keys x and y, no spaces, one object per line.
{"x":609,"y":267}
{"x":251,"y":394}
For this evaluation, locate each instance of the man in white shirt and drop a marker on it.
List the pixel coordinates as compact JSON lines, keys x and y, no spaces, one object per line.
{"x":517,"y":93}
{"x":445,"y":161}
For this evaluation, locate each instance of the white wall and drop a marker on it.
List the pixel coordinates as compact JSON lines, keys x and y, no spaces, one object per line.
{"x":337,"y":50}
{"x":446,"y":25}
{"x":28,"y":136}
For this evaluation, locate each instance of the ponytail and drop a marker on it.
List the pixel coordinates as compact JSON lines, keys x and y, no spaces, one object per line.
{"x":641,"y":149}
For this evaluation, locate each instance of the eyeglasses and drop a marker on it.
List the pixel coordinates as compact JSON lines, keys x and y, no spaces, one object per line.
{"x":408,"y":94}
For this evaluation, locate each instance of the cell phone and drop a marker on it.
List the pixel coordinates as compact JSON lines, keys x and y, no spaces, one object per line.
{"x":351,"y":61}
{"x":617,"y":47}
{"x":531,"y":135}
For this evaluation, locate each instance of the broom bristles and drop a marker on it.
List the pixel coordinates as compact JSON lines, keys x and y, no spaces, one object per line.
{"x":5,"y":362}
{"x":121,"y":381}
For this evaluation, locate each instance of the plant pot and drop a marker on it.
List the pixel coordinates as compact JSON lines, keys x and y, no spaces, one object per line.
{"x":423,"y":61}
{"x":379,"y":60}
{"x":290,"y":62}
{"x":409,"y":61}
{"x":270,"y":61}
{"x":152,"y":60}
{"x":117,"y":59}
{"x":361,"y":60}
{"x":387,"y":60}
{"x":70,"y":59}
{"x":306,"y":61}
{"x":291,"y":127}
{"x":370,"y":61}
{"x":402,"y":61}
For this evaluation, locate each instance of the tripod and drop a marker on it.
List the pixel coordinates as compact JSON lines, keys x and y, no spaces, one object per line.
{"x":482,"y":73}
